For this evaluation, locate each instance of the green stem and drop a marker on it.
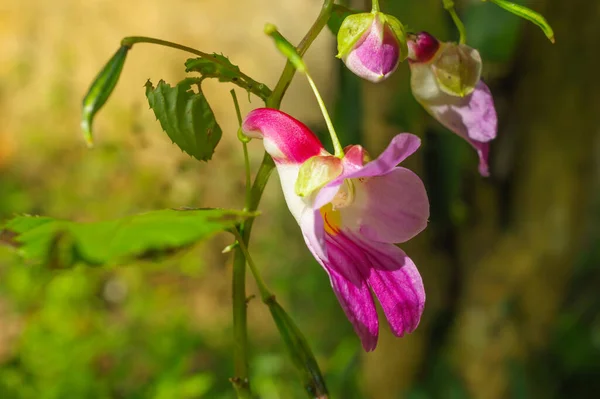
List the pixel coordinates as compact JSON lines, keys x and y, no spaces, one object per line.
{"x":244,"y":141}
{"x":287,"y":75}
{"x":265,"y":293}
{"x":257,"y":88}
{"x":339,"y":150}
{"x":240,"y":330}
{"x":240,"y":336}
{"x":240,"y":382}
{"x":375,"y":7}
{"x":297,"y":346}
{"x":292,"y":55}
{"x":449,"y":6}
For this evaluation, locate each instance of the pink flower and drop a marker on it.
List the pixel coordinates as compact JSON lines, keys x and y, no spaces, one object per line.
{"x":350,"y":213}
{"x":445,"y":80}
{"x":370,"y":44}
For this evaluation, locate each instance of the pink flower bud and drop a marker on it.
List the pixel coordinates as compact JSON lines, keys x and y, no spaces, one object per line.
{"x":372,"y":45}
{"x":446,"y":81}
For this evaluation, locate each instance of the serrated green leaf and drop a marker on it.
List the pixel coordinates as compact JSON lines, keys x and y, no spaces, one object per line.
{"x":185,"y":116}
{"x":218,"y":66}
{"x":62,"y":243}
{"x":224,"y":70}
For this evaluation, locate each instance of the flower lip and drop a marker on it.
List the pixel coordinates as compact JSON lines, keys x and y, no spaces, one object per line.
{"x":423,"y":47}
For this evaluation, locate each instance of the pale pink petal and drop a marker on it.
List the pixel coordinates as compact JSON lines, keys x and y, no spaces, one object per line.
{"x":313,"y":231}
{"x":286,"y":139}
{"x":390,"y":208}
{"x":472,"y":117}
{"x":396,"y":282}
{"x":352,"y":291}
{"x":401,"y":147}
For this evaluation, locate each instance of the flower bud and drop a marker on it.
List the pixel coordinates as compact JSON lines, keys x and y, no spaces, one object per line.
{"x":456,"y":67}
{"x":101,"y":89}
{"x":372,"y":45}
{"x":446,"y":81}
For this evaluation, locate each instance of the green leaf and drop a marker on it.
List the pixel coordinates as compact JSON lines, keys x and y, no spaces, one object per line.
{"x":185,"y":116}
{"x":299,"y":351}
{"x":62,"y":243}
{"x":338,"y":14}
{"x":219,"y":67}
{"x":527,"y":14}
{"x":100,"y":90}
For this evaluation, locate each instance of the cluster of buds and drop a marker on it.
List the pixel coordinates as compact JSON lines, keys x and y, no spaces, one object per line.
{"x":445,"y":77}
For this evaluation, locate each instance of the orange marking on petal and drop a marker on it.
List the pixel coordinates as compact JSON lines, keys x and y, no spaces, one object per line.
{"x":332,"y":219}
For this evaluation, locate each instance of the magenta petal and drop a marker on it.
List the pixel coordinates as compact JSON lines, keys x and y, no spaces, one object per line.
{"x":397,"y":284}
{"x":286,"y":139}
{"x":391,"y":208}
{"x":352,"y":292}
{"x":483,"y":150}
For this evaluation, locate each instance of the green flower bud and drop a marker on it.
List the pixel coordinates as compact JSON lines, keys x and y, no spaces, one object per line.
{"x":100,"y":90}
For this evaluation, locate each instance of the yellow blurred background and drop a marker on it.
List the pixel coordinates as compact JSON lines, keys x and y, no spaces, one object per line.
{"x":510,"y":263}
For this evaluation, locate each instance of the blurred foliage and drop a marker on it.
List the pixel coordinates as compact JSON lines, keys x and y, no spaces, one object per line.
{"x":161,"y":328}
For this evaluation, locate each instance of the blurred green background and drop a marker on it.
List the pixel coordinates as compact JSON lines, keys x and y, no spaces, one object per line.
{"x":510,"y":263}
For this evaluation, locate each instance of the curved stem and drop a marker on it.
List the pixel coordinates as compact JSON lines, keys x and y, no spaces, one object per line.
{"x":338,"y":149}
{"x":287,"y":75}
{"x":260,"y":89}
{"x":240,"y":382}
{"x":449,"y":6}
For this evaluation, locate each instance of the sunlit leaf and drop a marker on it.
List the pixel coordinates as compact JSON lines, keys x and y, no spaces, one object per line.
{"x":185,"y":116}
{"x":62,"y":243}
